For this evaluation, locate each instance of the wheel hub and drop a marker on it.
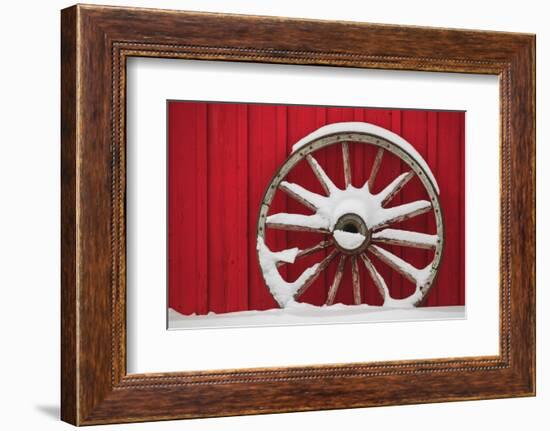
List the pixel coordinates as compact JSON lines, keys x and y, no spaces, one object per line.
{"x":350,"y":234}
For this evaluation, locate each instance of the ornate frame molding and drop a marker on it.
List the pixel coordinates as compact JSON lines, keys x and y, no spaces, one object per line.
{"x":96,"y":41}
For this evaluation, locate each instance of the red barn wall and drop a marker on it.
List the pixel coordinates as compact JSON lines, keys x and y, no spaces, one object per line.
{"x":221,"y":157}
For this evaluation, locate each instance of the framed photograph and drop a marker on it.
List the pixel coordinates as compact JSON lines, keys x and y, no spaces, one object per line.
{"x":281,"y":220}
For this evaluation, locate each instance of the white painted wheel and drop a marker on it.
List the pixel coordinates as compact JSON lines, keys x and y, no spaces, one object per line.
{"x":355,"y":221}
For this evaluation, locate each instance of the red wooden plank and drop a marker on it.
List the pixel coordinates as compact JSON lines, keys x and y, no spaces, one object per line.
{"x":302,"y":120}
{"x":448,"y":177}
{"x":201,"y":244}
{"x":335,"y":169}
{"x":266,"y":152}
{"x":462,"y":215}
{"x":415,"y":131}
{"x":431,"y":159}
{"x":381,"y":118}
{"x":174,"y":258}
{"x":227,"y":207}
{"x":359,"y":155}
{"x":396,"y":167}
{"x":361,"y":160}
{"x":187,"y":241}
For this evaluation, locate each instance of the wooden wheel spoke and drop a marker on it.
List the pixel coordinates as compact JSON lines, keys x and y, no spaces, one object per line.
{"x":305,"y":197}
{"x":405,"y":238}
{"x":402,"y":212}
{"x":394,"y":187}
{"x":297,"y":222}
{"x":415,"y":275}
{"x":375,"y":167}
{"x":347,"y":169}
{"x":318,"y":269}
{"x":356,"y":281}
{"x":321,"y":175}
{"x":337,"y":280}
{"x":376,"y":277}
{"x":309,"y":251}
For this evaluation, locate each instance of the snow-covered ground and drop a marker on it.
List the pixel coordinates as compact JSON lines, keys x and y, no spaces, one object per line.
{"x":305,"y":314}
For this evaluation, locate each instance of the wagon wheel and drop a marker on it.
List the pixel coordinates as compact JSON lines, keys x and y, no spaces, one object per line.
{"x":355,"y":221}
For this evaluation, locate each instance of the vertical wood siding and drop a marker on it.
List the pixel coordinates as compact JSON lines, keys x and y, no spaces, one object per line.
{"x":222,"y":156}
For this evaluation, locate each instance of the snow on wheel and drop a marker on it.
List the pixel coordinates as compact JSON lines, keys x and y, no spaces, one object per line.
{"x":356,"y":222}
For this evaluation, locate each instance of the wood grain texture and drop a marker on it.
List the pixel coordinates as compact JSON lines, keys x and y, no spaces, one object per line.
{"x":69,"y":395}
{"x":95,"y":44}
{"x":193,"y":258}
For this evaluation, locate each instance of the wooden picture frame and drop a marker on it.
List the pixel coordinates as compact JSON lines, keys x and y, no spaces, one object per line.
{"x":95,"y":43}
